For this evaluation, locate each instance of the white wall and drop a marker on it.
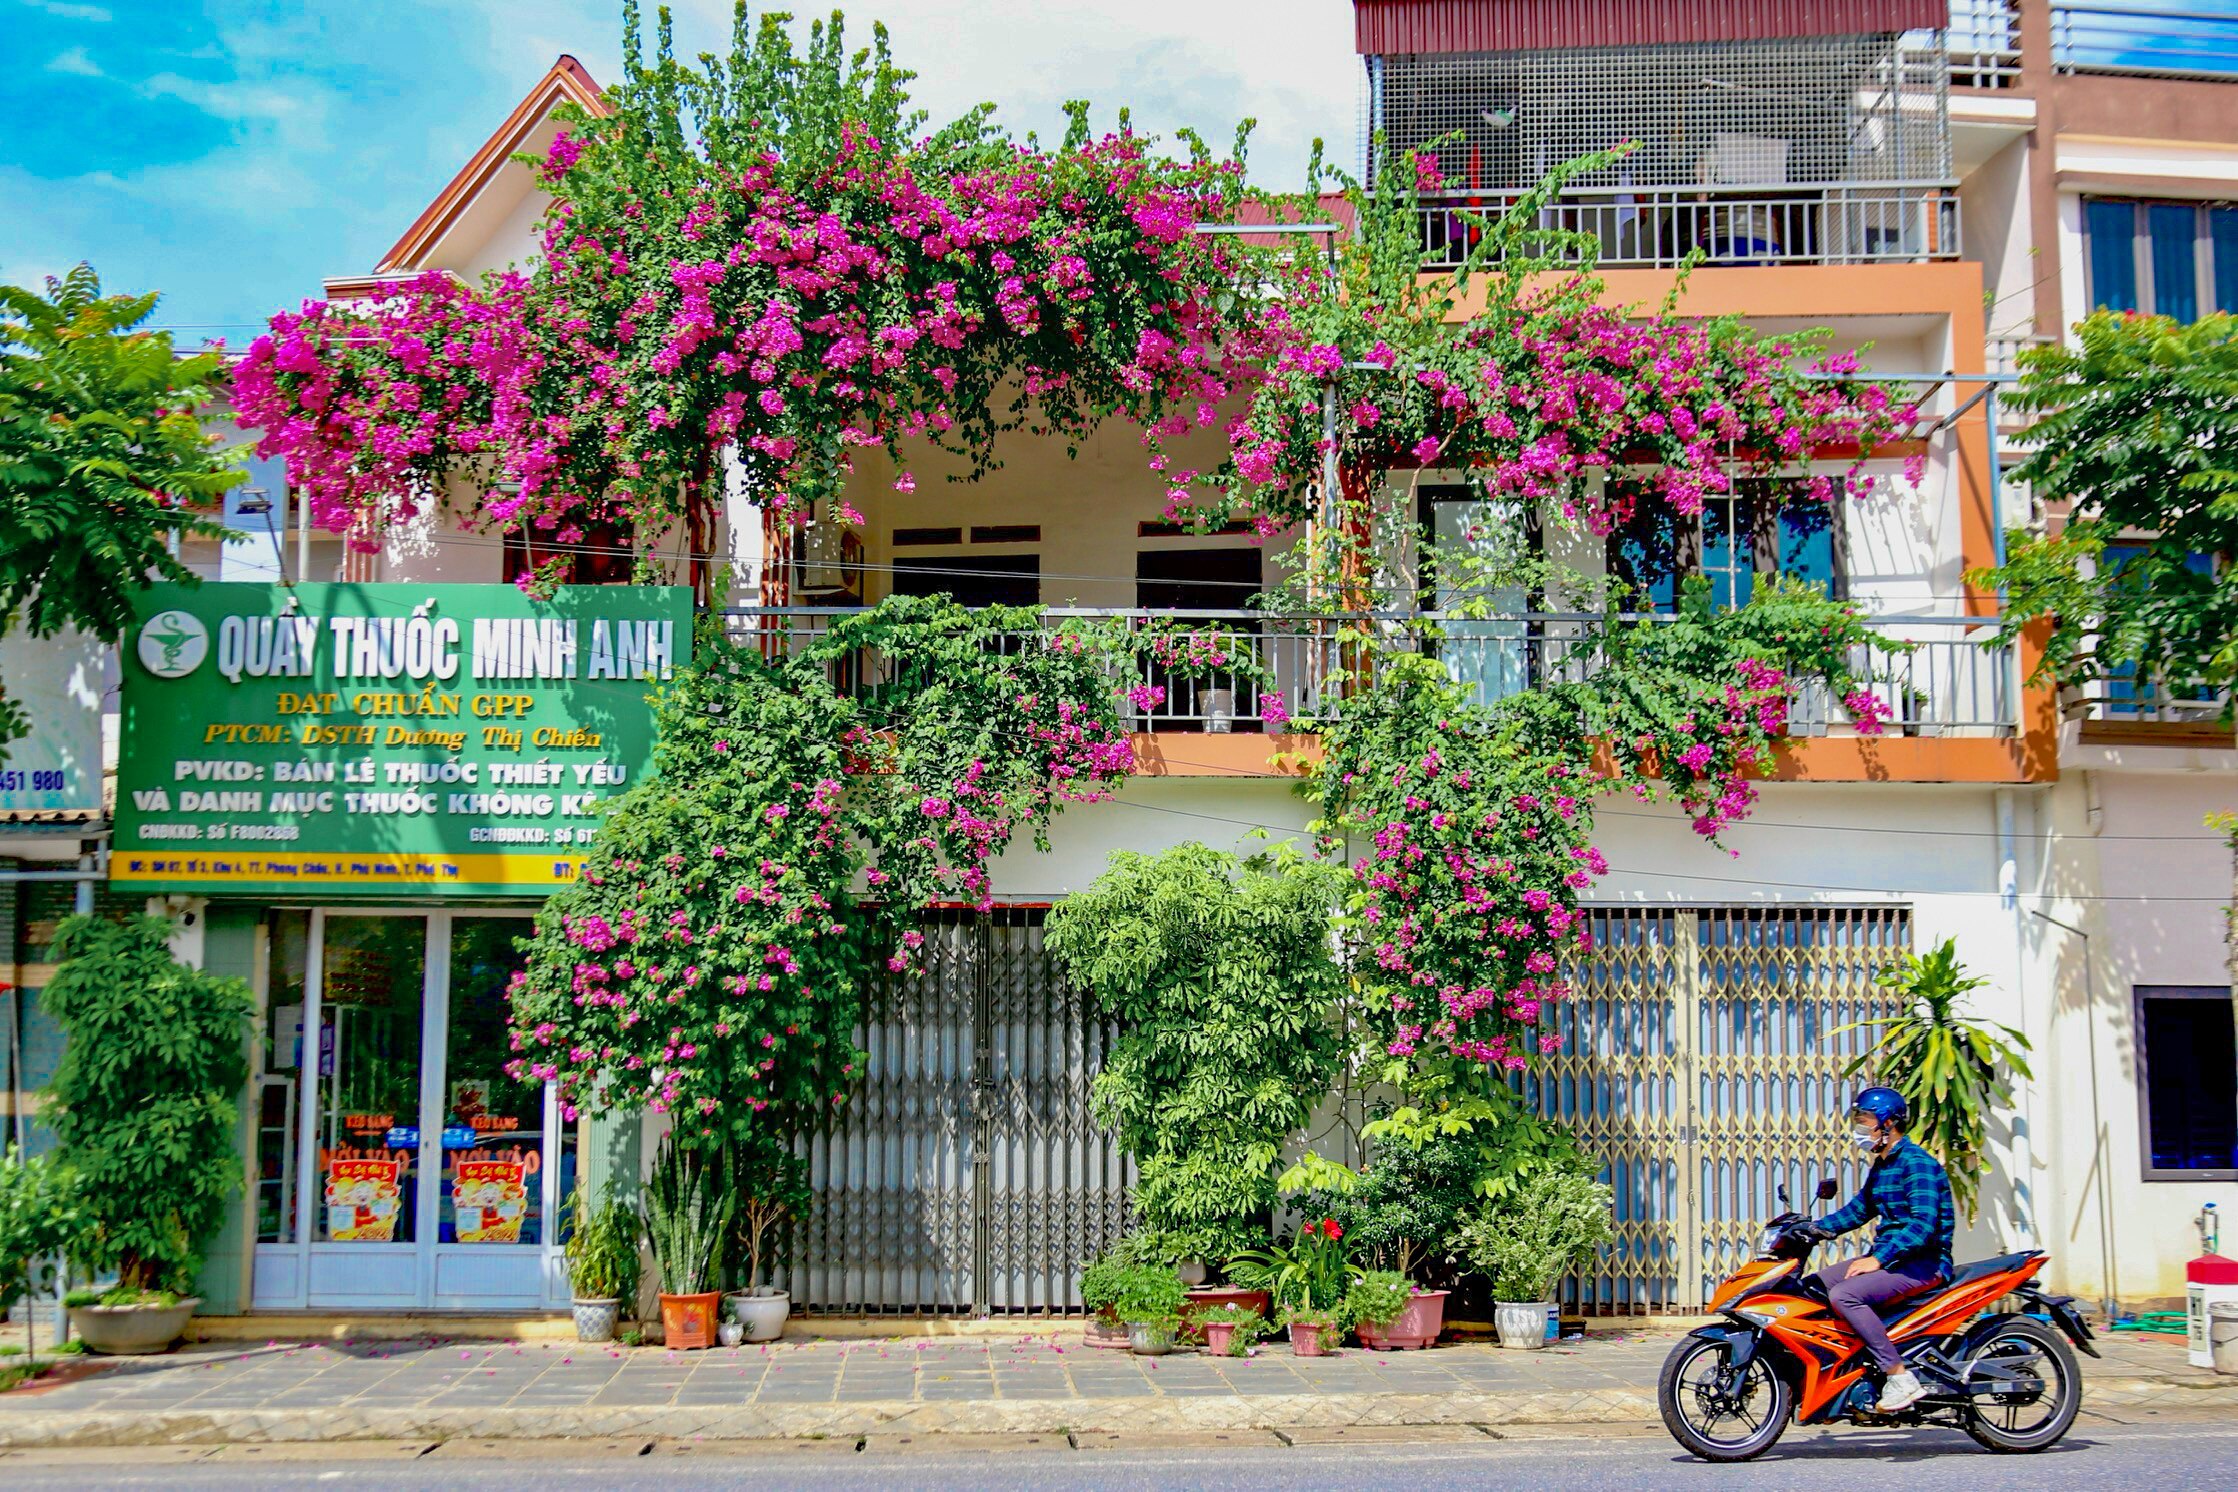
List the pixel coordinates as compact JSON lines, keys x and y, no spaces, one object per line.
{"x":2135,"y":869}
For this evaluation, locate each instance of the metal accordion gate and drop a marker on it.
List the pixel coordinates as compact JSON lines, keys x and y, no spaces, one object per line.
{"x":1700,"y":1059}
{"x":966,"y":1177}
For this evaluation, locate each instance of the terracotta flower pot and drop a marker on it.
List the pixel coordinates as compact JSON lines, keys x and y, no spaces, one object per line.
{"x":1217,"y":1337}
{"x":688,"y":1321}
{"x":1307,"y":1340}
{"x":1107,"y":1330}
{"x":1413,"y":1328}
{"x":1213,"y":1296}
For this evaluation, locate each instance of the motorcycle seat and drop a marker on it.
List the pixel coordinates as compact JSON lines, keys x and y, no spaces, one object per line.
{"x":1963,"y":1274}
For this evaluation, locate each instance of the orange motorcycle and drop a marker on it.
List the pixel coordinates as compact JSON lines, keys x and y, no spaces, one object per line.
{"x":1782,"y":1354}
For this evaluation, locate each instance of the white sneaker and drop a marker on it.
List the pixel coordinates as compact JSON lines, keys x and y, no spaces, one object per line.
{"x":1902,"y":1391}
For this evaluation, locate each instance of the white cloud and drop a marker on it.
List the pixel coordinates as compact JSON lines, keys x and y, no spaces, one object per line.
{"x":76,"y":63}
{"x":70,"y":12}
{"x":237,"y":100}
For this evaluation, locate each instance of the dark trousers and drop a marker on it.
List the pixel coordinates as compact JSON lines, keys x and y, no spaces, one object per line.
{"x":1859,"y":1298}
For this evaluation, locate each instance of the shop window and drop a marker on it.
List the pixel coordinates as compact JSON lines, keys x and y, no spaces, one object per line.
{"x":1761,"y":528}
{"x":2187,"y":1082}
{"x":2167,"y":258}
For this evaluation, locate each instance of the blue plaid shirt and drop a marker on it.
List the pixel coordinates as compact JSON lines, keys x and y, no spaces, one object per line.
{"x":1910,"y":1194}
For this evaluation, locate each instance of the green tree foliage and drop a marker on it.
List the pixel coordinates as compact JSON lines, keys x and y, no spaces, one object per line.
{"x":103,"y":460}
{"x":2137,"y":430}
{"x":1952,"y":1069}
{"x":144,"y":1102}
{"x":1551,"y":1227}
{"x":1222,"y":976}
{"x":38,"y":1212}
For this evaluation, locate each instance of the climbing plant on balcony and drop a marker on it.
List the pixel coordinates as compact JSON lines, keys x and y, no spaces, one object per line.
{"x":768,"y":255}
{"x":710,"y":961}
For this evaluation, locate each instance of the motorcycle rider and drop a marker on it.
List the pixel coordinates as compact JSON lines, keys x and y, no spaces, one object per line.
{"x":1909,"y":1192}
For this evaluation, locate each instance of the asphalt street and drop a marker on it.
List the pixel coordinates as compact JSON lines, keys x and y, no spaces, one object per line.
{"x":2182,"y":1453}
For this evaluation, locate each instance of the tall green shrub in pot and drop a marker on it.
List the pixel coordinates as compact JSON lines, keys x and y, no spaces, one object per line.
{"x":145,"y":1103}
{"x":1221,"y":975}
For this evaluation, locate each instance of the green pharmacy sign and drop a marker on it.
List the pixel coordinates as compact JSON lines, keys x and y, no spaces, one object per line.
{"x":382,"y":740}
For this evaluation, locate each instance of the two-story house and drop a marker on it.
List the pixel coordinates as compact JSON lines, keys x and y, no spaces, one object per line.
{"x":1817,"y":162}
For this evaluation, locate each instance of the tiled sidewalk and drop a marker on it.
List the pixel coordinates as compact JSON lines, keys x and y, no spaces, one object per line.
{"x":808,"y":1387}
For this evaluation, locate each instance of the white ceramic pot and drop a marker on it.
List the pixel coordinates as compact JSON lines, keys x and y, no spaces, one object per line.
{"x":1150,"y":1341}
{"x":1522,"y":1323}
{"x":1191,"y":1271}
{"x":763,"y":1311}
{"x":131,"y":1330}
{"x":595,"y":1319}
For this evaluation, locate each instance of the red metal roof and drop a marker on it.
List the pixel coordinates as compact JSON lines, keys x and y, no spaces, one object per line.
{"x":1382,"y":27}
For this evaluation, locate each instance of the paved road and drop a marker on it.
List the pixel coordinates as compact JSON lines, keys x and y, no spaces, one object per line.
{"x":2166,"y":1455}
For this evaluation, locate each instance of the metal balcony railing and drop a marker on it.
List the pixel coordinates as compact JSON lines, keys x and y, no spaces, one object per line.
{"x":1881,"y":222}
{"x":1952,"y":681}
{"x":2132,"y":36}
{"x":2124,"y":701}
{"x":1984,"y":43}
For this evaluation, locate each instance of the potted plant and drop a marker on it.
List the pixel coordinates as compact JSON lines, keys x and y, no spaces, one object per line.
{"x":1310,"y":1277}
{"x":1314,"y":1330}
{"x":144,"y":1104}
{"x":1526,"y":1245}
{"x":1230,"y":1330}
{"x":1101,"y":1280}
{"x":1399,"y":1214}
{"x":771,"y":1189}
{"x":602,"y":1263}
{"x":687,"y":1220}
{"x":1149,"y":1302}
{"x":1375,"y":1303}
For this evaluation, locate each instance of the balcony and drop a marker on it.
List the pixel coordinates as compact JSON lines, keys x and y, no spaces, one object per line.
{"x":1879,"y":222}
{"x":1953,"y":682}
{"x":2168,"y":40}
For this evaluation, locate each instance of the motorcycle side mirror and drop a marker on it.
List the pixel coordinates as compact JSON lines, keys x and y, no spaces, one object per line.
{"x":1781,"y":1193}
{"x":1828,"y":1190}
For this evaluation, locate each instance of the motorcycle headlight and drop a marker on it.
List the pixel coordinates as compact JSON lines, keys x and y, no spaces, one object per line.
{"x":1769,"y":1240}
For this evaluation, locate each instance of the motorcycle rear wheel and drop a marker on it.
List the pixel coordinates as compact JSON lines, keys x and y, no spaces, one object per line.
{"x":2020,"y":1426}
{"x":1704,"y":1418}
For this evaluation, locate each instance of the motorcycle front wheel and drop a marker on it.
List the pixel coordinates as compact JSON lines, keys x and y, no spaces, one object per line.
{"x":2028,"y":1419}
{"x":1716,"y":1412}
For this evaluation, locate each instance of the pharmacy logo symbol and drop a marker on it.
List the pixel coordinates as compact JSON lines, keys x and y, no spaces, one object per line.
{"x":173,"y":644}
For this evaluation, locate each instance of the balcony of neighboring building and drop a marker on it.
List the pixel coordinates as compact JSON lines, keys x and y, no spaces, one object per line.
{"x":1751,"y":145}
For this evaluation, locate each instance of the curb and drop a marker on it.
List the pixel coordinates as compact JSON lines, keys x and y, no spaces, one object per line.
{"x":846,"y":1421}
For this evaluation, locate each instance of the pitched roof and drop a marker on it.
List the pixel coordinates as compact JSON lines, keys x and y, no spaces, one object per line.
{"x":566,"y":81}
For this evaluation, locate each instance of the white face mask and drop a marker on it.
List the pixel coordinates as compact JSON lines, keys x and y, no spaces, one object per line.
{"x":1865,"y":1142}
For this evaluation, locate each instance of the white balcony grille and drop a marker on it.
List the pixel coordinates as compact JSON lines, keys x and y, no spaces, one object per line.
{"x":2125,"y":36}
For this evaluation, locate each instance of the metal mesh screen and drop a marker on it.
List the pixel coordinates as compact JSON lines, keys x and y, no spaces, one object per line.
{"x":1796,"y":111}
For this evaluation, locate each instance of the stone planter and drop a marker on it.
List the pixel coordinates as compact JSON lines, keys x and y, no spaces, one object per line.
{"x":1191,"y":1272}
{"x":595,"y":1319}
{"x":1148,"y":1339}
{"x":1308,"y":1340}
{"x":688,"y":1321}
{"x":1106,"y":1330}
{"x":131,"y":1330}
{"x":763,"y":1311}
{"x":1415,"y":1327}
{"x":1522,"y":1323}
{"x":1213,"y":1296}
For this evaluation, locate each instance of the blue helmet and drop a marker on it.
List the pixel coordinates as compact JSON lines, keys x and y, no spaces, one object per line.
{"x":1885,"y":1105}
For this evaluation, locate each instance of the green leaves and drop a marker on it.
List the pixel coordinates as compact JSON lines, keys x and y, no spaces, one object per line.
{"x":2137,"y":436}
{"x":1222,"y":976}
{"x":1553,"y":1225}
{"x":103,"y":461}
{"x":1953,"y":1070}
{"x":144,"y":1101}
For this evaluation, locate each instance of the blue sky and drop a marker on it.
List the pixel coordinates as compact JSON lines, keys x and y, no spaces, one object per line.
{"x":235,"y":152}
